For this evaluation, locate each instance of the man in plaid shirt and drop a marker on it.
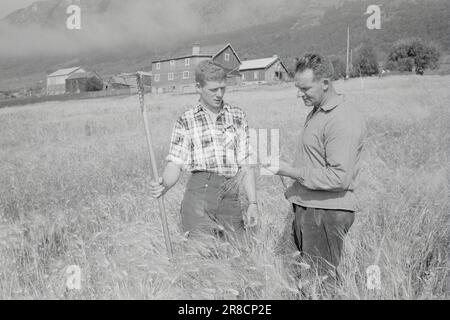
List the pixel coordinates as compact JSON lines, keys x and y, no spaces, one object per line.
{"x":211,"y":140}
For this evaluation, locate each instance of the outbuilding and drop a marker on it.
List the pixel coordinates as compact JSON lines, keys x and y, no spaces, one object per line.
{"x":84,"y":82}
{"x":56,"y":81}
{"x":263,"y":70}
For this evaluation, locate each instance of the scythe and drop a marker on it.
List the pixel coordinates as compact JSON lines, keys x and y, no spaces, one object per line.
{"x":162,"y":211}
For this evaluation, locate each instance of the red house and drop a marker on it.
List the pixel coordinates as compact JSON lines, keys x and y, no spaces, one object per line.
{"x":177,"y":74}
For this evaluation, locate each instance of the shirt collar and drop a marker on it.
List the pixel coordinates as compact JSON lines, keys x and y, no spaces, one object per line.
{"x":333,"y":103}
{"x":201,"y":107}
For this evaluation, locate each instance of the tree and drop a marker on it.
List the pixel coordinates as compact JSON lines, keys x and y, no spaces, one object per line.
{"x":415,"y":54}
{"x":365,"y":61}
{"x":338,"y":67}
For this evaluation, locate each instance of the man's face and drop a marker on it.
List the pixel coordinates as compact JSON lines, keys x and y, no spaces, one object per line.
{"x":211,"y":94}
{"x":309,"y":89}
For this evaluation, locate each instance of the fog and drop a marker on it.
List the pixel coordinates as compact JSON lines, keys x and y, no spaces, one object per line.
{"x":135,"y":22}
{"x":131,"y":22}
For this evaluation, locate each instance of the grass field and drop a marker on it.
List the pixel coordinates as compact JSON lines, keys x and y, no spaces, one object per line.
{"x":74,"y":191}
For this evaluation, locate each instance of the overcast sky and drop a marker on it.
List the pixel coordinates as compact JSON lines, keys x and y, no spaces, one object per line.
{"x":8,"y":6}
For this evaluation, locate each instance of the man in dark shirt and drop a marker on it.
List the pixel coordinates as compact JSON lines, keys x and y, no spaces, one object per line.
{"x":327,"y":162}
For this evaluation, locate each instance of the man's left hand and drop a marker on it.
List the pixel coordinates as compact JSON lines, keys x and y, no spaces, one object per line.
{"x":279,"y":167}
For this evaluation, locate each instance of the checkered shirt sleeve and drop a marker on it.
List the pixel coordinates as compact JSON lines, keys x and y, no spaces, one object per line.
{"x":180,"y":151}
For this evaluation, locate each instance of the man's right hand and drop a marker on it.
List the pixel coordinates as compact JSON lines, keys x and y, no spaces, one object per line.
{"x":157,"y":189}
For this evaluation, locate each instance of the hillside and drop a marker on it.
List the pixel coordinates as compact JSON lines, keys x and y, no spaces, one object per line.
{"x":213,"y":16}
{"x":290,"y":28}
{"x":429,"y":20}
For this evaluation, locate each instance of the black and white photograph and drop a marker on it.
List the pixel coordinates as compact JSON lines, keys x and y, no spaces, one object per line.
{"x":230,"y":152}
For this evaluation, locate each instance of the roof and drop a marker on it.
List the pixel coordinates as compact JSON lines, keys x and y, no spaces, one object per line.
{"x":144,"y":73}
{"x":83,"y":75}
{"x":206,"y":51}
{"x":259,"y":63}
{"x":233,"y":73}
{"x":129,"y":78}
{"x":118,"y":80}
{"x":63,"y":72}
{"x":124,"y":79}
{"x":214,"y":49}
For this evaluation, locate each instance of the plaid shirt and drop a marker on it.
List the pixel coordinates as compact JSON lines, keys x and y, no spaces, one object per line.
{"x":200,"y":144}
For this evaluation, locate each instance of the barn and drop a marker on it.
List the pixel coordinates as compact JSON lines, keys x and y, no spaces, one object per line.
{"x":124,"y":81}
{"x":56,"y":81}
{"x":264,"y":70}
{"x":177,"y":74}
{"x":118,"y":83}
{"x":83,"y":82}
{"x":128,"y":81}
{"x":146,"y":79}
{"x":131,"y":80}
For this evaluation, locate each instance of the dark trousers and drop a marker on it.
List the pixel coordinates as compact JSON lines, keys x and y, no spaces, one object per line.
{"x":208,"y":207}
{"x":319,"y":235}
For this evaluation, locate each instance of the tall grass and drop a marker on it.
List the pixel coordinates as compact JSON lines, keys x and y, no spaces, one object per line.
{"x":74,"y":191}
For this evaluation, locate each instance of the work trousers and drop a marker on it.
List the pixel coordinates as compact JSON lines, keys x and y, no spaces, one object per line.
{"x":208,"y":207}
{"x":319,"y":235}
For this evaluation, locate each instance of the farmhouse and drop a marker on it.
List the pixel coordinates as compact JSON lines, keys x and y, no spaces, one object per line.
{"x":83,"y":82}
{"x":56,"y":81}
{"x":263,"y":70}
{"x":177,"y":74}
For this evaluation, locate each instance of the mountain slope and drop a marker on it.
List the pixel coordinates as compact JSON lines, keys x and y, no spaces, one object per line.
{"x":213,"y":16}
{"x":429,"y":20}
{"x":288,"y":33}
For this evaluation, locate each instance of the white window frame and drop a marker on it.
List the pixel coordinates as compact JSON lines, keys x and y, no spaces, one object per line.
{"x":158,"y":66}
{"x":256,"y":75}
{"x":172,"y":63}
{"x":243,"y":76}
{"x":187,"y":62}
{"x":157,"y":78}
{"x":170,"y":76}
{"x":186,"y":74}
{"x":227,"y":57}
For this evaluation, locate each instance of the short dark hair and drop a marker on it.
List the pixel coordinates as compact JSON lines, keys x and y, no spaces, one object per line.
{"x":320,"y":65}
{"x":208,"y":70}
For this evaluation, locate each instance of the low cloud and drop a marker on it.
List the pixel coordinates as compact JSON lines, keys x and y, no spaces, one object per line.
{"x":143,"y":23}
{"x":137,"y":22}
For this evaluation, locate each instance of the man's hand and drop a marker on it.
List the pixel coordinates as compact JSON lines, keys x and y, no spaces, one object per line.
{"x":278,"y":167}
{"x":157,"y":189}
{"x":251,"y":218}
